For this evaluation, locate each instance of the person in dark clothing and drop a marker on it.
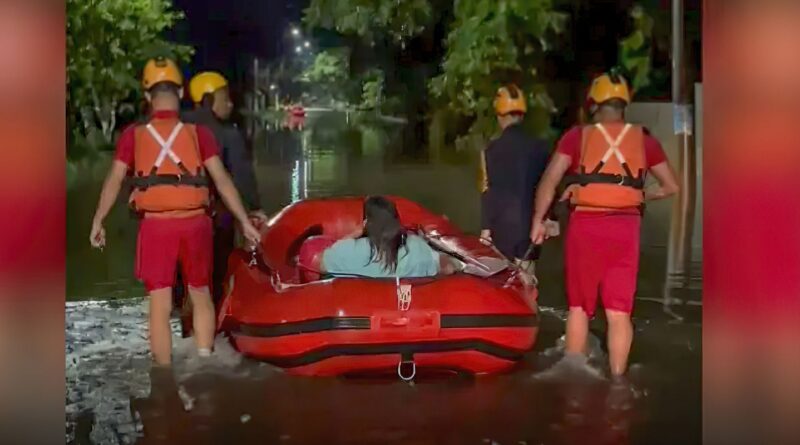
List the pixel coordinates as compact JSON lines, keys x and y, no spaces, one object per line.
{"x":213,"y":108}
{"x":513,"y":165}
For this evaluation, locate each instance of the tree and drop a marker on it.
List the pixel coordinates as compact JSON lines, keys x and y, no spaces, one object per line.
{"x":635,"y":50}
{"x":372,"y":90}
{"x":489,"y":42}
{"x":329,"y":66}
{"x":650,"y":40}
{"x":493,"y":42}
{"x":329,"y":73}
{"x":108,"y":42}
{"x":371,"y":19}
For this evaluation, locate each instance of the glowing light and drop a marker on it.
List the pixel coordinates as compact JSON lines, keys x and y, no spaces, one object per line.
{"x":298,"y":50}
{"x":296,"y":182}
{"x":307,"y":44}
{"x":295,"y":32}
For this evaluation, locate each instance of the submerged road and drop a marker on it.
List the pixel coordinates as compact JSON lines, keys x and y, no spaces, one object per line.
{"x":113,"y":396}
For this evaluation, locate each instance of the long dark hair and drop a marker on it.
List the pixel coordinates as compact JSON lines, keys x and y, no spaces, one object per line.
{"x":384,"y":231}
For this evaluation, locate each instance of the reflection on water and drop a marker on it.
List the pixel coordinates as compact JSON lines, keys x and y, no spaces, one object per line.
{"x":113,"y":397}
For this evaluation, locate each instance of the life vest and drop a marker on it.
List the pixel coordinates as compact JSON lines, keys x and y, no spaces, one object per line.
{"x":169,"y":173}
{"x":612,"y":168}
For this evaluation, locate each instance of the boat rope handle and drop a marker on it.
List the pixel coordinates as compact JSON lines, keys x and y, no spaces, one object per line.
{"x":253,"y":260}
{"x":400,"y":370}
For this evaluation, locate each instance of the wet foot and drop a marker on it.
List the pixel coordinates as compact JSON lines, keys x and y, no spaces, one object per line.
{"x":621,"y":393}
{"x":571,"y":366}
{"x":163,"y":389}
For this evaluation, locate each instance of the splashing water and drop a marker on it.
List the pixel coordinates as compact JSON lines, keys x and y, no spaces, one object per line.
{"x":561,"y":314}
{"x":108,"y":363}
{"x":574,"y":366}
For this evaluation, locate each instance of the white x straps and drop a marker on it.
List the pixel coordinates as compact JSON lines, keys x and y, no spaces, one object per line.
{"x":613,"y":145}
{"x":166,"y":146}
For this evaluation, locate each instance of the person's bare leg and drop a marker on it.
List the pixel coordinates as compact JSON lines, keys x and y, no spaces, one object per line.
{"x":160,"y":330}
{"x":577,"y":331}
{"x":620,"y":337}
{"x":203,"y":317}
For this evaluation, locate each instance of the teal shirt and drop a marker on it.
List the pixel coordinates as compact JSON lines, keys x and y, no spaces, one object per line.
{"x":352,"y":256}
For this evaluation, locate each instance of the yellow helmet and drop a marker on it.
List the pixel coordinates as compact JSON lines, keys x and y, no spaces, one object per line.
{"x":607,"y":87}
{"x":159,"y":70}
{"x":205,"y":83}
{"x":510,"y":99}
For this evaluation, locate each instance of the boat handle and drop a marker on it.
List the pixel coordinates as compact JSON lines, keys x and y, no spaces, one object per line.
{"x":253,"y":256}
{"x":400,"y":370}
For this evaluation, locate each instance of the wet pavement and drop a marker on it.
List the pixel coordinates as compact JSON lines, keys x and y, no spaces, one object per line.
{"x":114,"y":397}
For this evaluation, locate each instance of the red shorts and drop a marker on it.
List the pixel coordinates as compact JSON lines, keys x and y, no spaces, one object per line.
{"x":602,"y":256}
{"x":165,"y":242}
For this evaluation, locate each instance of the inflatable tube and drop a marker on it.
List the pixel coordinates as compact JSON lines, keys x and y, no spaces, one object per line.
{"x":280,"y":312}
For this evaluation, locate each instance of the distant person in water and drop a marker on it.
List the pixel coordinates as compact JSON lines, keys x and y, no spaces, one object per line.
{"x":383,"y":249}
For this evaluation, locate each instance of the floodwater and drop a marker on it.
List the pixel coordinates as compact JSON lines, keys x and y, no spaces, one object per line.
{"x":113,"y":396}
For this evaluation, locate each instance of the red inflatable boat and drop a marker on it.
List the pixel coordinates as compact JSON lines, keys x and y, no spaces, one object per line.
{"x":480,"y":320}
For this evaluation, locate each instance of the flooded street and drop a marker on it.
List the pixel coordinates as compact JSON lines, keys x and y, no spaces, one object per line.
{"x":113,"y":396}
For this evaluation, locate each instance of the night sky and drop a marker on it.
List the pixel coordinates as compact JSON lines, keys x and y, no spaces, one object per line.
{"x":227,"y":34}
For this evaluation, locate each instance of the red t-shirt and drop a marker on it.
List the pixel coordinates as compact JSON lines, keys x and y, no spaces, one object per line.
{"x":570,"y":145}
{"x":205,"y":139}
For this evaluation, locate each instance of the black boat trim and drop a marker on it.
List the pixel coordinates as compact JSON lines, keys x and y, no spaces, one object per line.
{"x":489,"y":321}
{"x":363,"y":323}
{"x":403,"y":349}
{"x":301,"y":327}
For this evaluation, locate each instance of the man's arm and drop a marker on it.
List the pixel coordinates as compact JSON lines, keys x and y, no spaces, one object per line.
{"x":546,"y":190}
{"x":108,"y":196}
{"x":668,"y":183}
{"x":225,"y":187}
{"x":545,"y":193}
{"x":230,"y":196}
{"x":485,"y":202}
{"x":242,"y":170}
{"x":111,"y":188}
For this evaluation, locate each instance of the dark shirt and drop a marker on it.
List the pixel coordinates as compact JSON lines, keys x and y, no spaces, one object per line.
{"x":233,"y":152}
{"x":515,"y":162}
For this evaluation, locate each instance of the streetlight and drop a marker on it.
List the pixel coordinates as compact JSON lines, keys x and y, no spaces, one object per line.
{"x":298,"y":49}
{"x":307,"y":44}
{"x":273,"y":87}
{"x":295,"y":32}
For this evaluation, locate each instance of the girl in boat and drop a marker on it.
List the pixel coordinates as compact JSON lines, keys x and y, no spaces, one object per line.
{"x":383,"y":249}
